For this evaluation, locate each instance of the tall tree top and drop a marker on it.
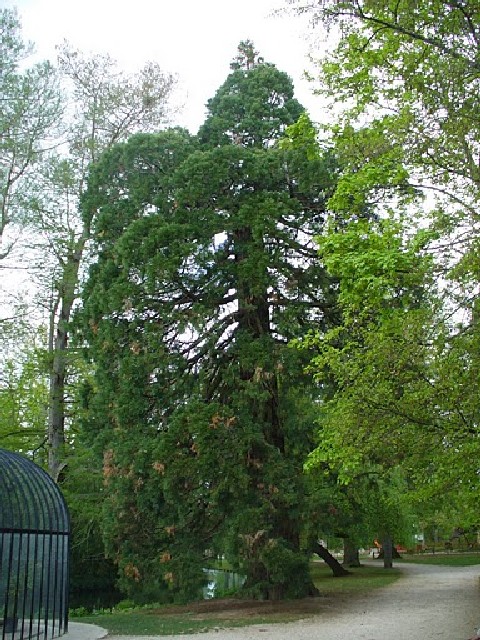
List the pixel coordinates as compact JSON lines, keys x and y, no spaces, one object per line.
{"x":253,"y":106}
{"x":247,"y":57}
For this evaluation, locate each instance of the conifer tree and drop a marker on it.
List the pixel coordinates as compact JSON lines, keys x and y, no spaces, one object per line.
{"x":206,"y":270}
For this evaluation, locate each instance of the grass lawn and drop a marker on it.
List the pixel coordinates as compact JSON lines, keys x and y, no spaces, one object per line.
{"x":452,"y":559}
{"x":361,"y":580}
{"x":232,"y":612}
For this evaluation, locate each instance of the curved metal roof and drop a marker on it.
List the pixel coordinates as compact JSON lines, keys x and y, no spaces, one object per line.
{"x":30,"y":500}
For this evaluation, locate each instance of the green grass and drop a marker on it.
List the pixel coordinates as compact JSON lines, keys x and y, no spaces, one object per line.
{"x":140,"y":623}
{"x":363,"y":579}
{"x":200,"y":617}
{"x":461,"y":559}
{"x":156,"y":622}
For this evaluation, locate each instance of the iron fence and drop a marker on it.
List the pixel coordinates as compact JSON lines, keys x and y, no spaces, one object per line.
{"x":34,"y":547}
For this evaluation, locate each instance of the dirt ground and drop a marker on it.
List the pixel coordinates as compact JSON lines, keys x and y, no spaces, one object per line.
{"x":241,"y":608}
{"x":428,"y":603}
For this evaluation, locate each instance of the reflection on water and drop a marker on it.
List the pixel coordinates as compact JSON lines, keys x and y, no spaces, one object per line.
{"x":221,"y":581}
{"x":94,"y":599}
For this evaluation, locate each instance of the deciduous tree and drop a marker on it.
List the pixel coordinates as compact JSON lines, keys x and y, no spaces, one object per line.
{"x":30,"y":109}
{"x":107,"y":107}
{"x":402,"y":380}
{"x":403,"y":79}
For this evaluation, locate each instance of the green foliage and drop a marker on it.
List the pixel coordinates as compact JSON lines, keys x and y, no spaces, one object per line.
{"x":23,"y":384}
{"x":377,"y":267}
{"x":31,"y":107}
{"x":406,"y":78}
{"x":252,"y":108}
{"x":402,"y":379}
{"x":302,"y":135}
{"x":204,"y":273}
{"x":82,"y":487}
{"x":246,"y":57}
{"x":403,"y":77}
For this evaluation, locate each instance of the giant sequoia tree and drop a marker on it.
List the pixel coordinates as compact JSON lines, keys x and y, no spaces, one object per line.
{"x":206,"y":269}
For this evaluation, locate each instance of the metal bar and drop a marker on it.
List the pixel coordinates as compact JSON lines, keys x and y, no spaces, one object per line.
{"x":34,"y":551}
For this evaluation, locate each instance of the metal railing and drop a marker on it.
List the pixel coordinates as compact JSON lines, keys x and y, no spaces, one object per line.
{"x":34,"y":547}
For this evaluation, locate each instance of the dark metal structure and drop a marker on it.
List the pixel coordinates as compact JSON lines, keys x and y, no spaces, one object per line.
{"x":34,"y":544}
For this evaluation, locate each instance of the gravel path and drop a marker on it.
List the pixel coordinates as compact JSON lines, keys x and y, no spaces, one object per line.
{"x":428,"y":603}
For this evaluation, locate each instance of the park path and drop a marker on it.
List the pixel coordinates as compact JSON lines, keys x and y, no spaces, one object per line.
{"x":428,"y":603}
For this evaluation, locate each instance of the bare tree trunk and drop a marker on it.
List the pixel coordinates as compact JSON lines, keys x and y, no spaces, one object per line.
{"x":350,"y":554}
{"x":337,"y":569}
{"x":58,"y":343}
{"x":387,"y":548}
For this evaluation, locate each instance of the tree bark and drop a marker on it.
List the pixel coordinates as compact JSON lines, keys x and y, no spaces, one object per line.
{"x":337,"y":569}
{"x":58,"y":343}
{"x":387,"y":548}
{"x":350,"y":554}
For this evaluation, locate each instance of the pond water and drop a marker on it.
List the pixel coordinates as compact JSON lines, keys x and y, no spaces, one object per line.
{"x":95,"y":599}
{"x":221,"y":581}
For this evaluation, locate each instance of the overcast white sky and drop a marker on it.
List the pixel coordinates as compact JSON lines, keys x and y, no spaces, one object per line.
{"x":196,"y":39}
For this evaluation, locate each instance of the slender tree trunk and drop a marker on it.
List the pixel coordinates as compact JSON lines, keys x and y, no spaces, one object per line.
{"x":337,"y":569}
{"x":58,"y":343}
{"x":387,"y":548}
